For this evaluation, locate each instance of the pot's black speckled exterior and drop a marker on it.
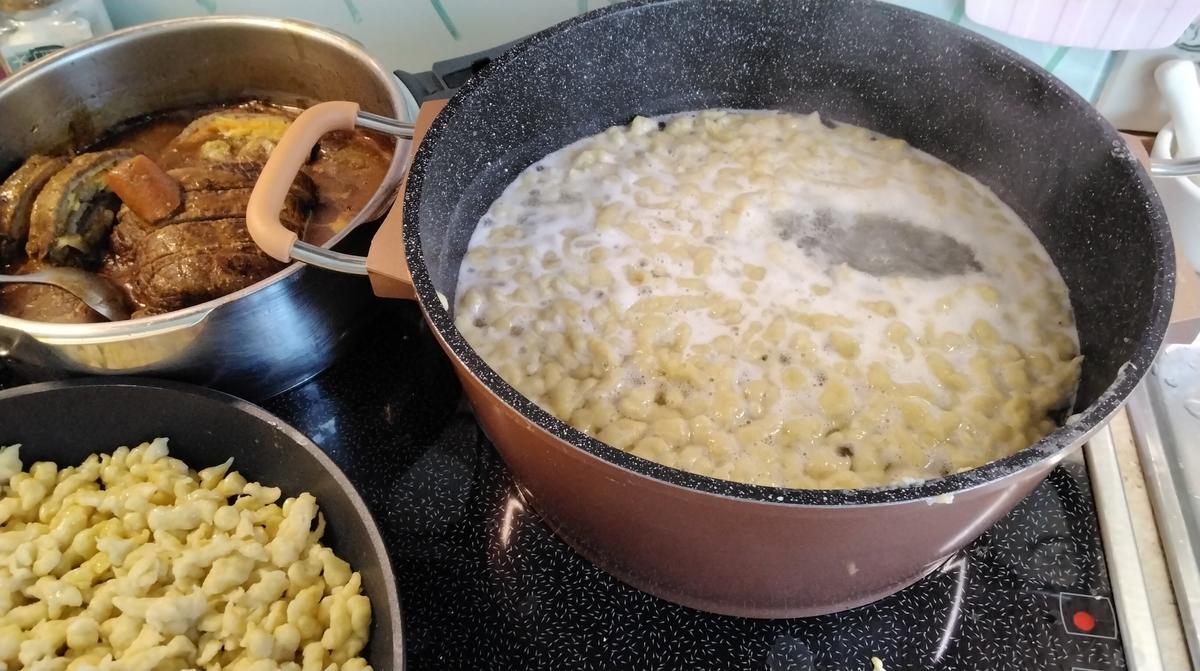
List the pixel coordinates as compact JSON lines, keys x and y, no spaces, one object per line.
{"x":951,"y":93}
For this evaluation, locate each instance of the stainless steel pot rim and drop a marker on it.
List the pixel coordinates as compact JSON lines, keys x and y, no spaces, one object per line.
{"x":375,"y":538}
{"x":402,"y":100}
{"x":935,"y":491}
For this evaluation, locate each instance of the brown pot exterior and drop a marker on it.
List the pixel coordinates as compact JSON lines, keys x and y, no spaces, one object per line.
{"x":729,"y":555}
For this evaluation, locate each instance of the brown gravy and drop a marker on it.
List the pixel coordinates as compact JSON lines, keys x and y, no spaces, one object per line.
{"x":345,"y":171}
{"x":347,"y":168}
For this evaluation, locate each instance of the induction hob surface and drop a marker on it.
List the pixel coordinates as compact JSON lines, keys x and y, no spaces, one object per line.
{"x":485,"y":585}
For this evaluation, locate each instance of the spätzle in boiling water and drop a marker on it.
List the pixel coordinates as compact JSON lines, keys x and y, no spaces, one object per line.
{"x":703,"y":290}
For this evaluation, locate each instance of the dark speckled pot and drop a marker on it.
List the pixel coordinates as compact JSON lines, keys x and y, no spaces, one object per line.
{"x":763,"y":551}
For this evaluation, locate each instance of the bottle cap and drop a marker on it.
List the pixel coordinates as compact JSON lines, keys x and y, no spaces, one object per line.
{"x":14,"y":6}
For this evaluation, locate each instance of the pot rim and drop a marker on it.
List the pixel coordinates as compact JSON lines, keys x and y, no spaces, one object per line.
{"x":933,"y":491}
{"x":401,"y":100}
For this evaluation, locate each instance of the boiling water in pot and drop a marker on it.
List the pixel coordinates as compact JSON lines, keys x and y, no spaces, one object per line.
{"x":769,"y":298}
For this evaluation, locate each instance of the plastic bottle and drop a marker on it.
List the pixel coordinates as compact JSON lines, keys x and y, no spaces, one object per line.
{"x":30,"y":29}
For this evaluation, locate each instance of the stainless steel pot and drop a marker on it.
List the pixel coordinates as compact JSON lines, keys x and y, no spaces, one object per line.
{"x":269,"y":336}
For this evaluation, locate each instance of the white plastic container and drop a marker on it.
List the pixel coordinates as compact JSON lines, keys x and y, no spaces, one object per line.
{"x":1095,"y":24}
{"x":31,"y":29}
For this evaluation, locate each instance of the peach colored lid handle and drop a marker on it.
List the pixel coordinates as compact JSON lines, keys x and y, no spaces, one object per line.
{"x":262,"y":212}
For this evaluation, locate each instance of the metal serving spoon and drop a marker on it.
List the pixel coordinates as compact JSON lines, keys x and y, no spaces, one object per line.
{"x":99,"y":294}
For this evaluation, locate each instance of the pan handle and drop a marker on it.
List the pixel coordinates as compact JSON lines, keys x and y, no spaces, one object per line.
{"x":285,"y":162}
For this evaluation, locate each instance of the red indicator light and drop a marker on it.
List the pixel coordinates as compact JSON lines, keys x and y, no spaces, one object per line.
{"x":1083,"y":621}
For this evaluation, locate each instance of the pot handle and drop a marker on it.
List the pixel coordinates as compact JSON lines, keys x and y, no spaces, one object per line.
{"x":273,"y":184}
{"x":1175,"y":167}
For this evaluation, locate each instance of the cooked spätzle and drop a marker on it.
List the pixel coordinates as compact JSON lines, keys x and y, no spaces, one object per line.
{"x":769,"y":298}
{"x":132,"y":562}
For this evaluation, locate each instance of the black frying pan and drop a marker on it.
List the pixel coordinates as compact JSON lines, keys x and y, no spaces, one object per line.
{"x":64,"y":422}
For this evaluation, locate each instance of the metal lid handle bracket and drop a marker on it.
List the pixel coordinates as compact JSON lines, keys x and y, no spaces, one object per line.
{"x":1175,"y":167}
{"x":389,"y":273}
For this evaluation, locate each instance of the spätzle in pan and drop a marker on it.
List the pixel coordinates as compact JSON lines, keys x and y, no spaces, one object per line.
{"x":131,"y":561}
{"x":770,"y":298}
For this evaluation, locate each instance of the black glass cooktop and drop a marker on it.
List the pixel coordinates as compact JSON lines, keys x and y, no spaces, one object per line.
{"x":485,"y":585}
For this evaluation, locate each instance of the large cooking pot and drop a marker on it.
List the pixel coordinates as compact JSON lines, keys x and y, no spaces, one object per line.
{"x":737,"y":548}
{"x":257,"y":341}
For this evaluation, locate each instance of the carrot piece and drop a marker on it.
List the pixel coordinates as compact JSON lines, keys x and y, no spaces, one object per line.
{"x":145,"y":188}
